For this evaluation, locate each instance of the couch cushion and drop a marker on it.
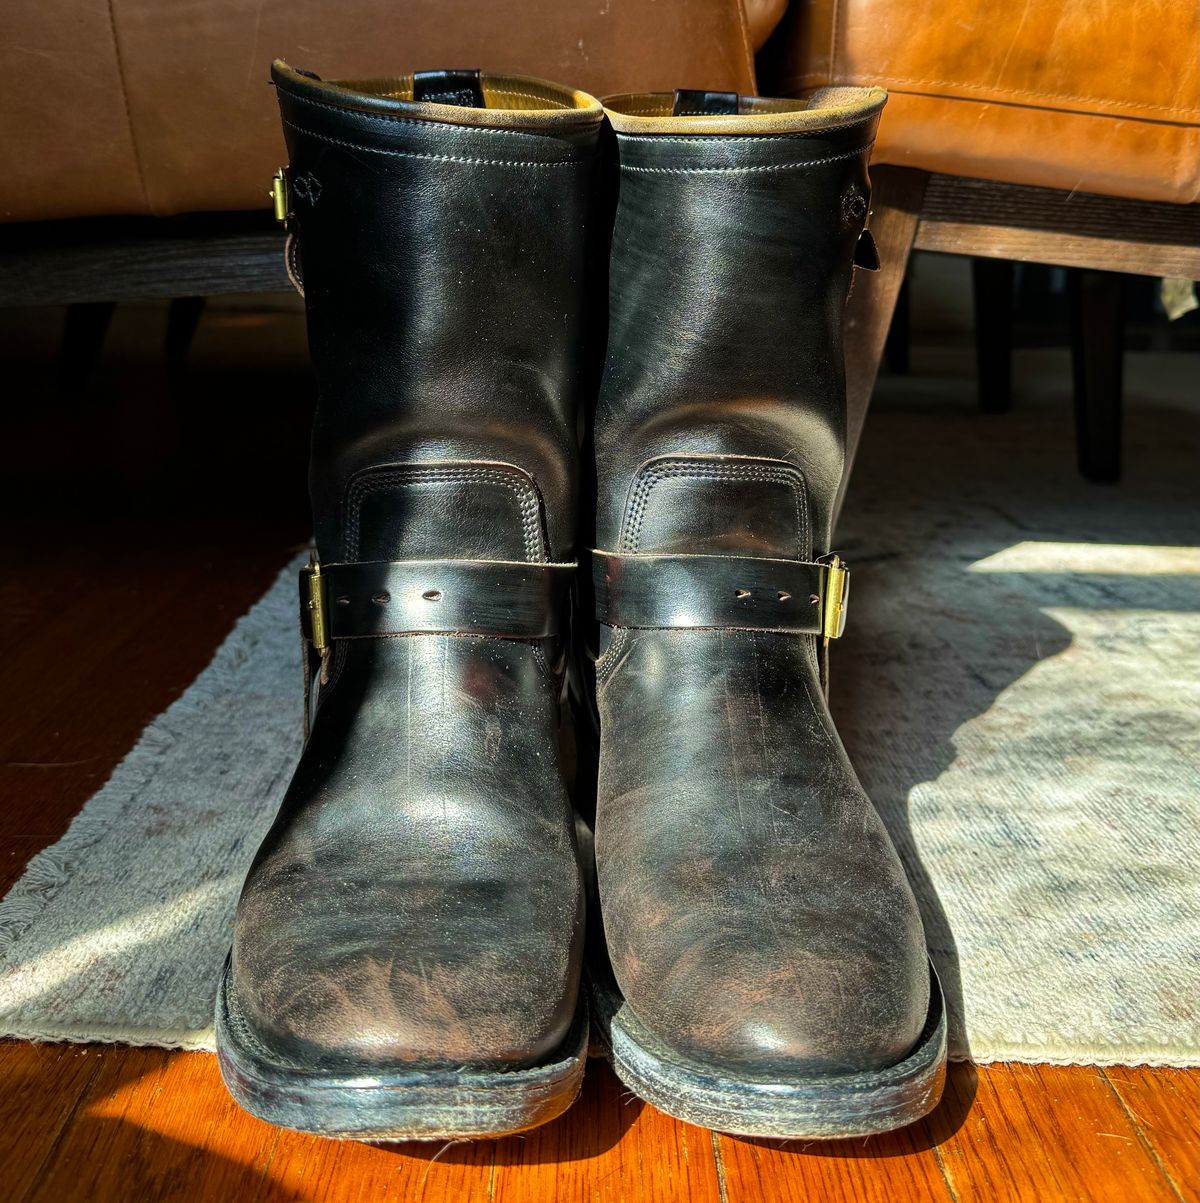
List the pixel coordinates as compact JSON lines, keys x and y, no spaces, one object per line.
{"x":1068,"y":94}
{"x":146,"y":107}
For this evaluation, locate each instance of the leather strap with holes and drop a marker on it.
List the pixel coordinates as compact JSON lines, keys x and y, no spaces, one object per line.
{"x":502,"y":598}
{"x":729,"y":592}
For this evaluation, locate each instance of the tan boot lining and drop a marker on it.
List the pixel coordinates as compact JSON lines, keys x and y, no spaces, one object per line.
{"x":825,"y":108}
{"x":512,"y":100}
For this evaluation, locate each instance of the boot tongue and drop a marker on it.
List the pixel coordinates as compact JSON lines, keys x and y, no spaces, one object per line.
{"x":692,"y":103}
{"x":460,"y":87}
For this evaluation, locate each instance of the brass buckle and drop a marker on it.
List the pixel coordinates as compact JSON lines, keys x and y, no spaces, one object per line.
{"x":318,"y":623}
{"x":835,"y":598}
{"x":279,"y":196}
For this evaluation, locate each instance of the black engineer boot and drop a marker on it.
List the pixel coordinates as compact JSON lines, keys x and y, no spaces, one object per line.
{"x":407,"y":950}
{"x":769,"y":974}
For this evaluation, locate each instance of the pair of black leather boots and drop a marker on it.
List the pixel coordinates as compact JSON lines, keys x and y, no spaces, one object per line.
{"x":409,"y":957}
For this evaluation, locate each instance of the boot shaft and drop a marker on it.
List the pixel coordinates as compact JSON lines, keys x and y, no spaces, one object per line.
{"x":732,"y":255}
{"x":442,"y":248}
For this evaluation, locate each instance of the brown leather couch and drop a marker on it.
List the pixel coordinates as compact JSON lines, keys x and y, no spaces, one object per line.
{"x":140,"y":107}
{"x":121,"y":107}
{"x":1067,"y":94}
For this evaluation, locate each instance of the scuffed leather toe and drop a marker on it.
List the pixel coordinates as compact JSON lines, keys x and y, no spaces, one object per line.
{"x":448,"y":977}
{"x":784,"y":1011}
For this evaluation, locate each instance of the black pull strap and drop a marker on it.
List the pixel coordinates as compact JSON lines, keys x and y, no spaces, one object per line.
{"x":461,"y":87}
{"x":691,"y":102}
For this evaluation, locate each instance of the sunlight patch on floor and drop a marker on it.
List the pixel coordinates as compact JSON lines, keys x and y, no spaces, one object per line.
{"x":1110,"y":559}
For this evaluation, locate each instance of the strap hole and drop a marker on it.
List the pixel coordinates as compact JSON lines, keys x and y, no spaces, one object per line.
{"x":783,"y":596}
{"x":344,"y":600}
{"x":382,"y":598}
{"x":814,"y":600}
{"x":432,"y":595}
{"x":741,"y":593}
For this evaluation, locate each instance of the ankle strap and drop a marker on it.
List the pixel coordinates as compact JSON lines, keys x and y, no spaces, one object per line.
{"x":502,"y":598}
{"x":722,"y":592}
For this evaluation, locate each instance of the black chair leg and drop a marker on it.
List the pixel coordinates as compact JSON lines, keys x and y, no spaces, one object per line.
{"x":182,"y":319}
{"x":992,"y":283}
{"x":1097,"y":315}
{"x":85,"y":327}
{"x":899,"y":337}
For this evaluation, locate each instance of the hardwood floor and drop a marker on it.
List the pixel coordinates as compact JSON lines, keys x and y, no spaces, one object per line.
{"x":111,"y":607}
{"x":93,"y":1122}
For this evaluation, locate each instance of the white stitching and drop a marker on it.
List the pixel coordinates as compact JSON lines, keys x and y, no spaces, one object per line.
{"x":413,"y":154}
{"x":749,"y":138}
{"x":372,"y":480}
{"x":676,"y":467}
{"x":629,"y":541}
{"x":403,"y":119}
{"x":850,"y":154}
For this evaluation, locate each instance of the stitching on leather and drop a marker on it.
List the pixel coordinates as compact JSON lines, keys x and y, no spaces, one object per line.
{"x":413,"y":154}
{"x":133,"y":142}
{"x":638,"y":503}
{"x":747,"y":44}
{"x":749,"y":138}
{"x":833,"y":38}
{"x":398,"y":119}
{"x":536,"y":543}
{"x":630,"y":540}
{"x":373,"y":480}
{"x":798,"y":166}
{"x":558,"y":104}
{"x":1110,"y":102}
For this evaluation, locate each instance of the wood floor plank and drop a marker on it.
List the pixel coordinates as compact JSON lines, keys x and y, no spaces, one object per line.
{"x":42,"y":1086}
{"x":891,"y":1168}
{"x":114,"y":676}
{"x":15,"y":854}
{"x":1164,"y":1105}
{"x":609,"y":1148}
{"x":157,"y":1125}
{"x":1049,"y":1132}
{"x":312,"y":1168}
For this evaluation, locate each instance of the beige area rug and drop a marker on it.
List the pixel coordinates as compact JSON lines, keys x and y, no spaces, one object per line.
{"x":1020,"y":690}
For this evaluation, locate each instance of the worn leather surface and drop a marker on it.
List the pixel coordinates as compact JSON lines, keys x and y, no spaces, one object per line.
{"x":509,"y":598}
{"x":170,"y":110}
{"x":680,"y":590}
{"x":1079,"y":96}
{"x":757,"y":916}
{"x":418,"y":900}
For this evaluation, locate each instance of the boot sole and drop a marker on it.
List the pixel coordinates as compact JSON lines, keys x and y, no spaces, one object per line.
{"x":821,"y":1107}
{"x":436,"y":1104}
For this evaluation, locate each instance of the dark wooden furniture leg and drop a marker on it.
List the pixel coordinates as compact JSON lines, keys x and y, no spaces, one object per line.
{"x":183,"y":317}
{"x":897,"y":350}
{"x":992,"y":284}
{"x":896,"y":197}
{"x":85,"y":327}
{"x":1097,"y":315}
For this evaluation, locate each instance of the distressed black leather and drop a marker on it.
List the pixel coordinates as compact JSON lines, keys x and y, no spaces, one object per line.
{"x":748,"y":593}
{"x":757,"y":916}
{"x":418,"y":900}
{"x":507,"y":598}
